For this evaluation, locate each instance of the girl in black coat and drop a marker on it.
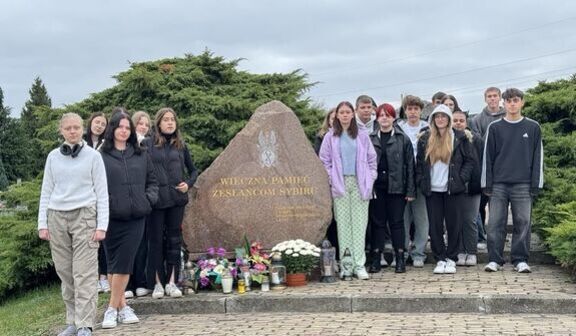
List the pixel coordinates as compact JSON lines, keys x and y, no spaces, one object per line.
{"x":172,"y":162}
{"x":444,"y":164}
{"x":133,"y":190}
{"x":393,"y":187}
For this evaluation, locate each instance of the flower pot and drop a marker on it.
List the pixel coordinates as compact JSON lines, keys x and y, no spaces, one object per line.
{"x":296,"y":279}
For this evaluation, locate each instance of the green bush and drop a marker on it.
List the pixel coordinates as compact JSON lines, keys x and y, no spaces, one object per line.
{"x":25,"y":260}
{"x":562,"y":237}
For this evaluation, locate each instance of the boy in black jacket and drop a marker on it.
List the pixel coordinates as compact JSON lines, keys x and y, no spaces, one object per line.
{"x":512,"y":173}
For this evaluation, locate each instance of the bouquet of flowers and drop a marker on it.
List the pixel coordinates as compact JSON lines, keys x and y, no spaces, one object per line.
{"x":298,"y":256}
{"x":212,"y":266}
{"x":251,"y":258}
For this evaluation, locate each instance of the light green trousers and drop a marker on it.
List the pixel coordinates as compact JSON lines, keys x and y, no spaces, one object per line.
{"x":351,"y":213}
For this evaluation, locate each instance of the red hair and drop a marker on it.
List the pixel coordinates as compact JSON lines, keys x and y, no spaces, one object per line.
{"x":386,"y":108}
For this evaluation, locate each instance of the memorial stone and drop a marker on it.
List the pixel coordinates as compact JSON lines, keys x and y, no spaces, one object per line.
{"x":268,"y":184}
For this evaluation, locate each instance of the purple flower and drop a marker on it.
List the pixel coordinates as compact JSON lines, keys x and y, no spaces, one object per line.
{"x":234,"y":272}
{"x":211,"y":251}
{"x":221,"y":252}
{"x":239,"y":261}
{"x":204,"y":281}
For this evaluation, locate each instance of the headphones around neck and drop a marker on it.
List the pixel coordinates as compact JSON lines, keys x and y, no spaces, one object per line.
{"x":73,"y":151}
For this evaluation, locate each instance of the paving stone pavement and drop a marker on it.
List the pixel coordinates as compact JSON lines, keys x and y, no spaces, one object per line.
{"x":350,"y":324}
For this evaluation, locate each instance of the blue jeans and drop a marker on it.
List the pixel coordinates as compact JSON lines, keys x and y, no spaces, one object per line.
{"x":518,"y":197}
{"x":416,"y":211}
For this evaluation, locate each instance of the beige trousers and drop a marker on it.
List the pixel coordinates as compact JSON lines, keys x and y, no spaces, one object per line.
{"x":75,"y":258}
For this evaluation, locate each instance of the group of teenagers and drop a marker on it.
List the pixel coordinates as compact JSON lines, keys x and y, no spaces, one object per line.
{"x":113,"y":199}
{"x":114,"y":195}
{"x":406,"y":178}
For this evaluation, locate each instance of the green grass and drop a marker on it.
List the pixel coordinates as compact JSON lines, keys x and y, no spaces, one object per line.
{"x":37,"y":312}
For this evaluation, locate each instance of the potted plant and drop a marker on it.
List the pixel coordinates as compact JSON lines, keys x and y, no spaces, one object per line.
{"x":300,"y":258}
{"x":253,"y":260}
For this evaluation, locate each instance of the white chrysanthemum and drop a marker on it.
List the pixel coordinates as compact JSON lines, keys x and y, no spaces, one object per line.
{"x":295,"y":255}
{"x":281,"y":248}
{"x":316,"y":249}
{"x":297,"y":248}
{"x":316,"y":254}
{"x":299,"y":241}
{"x":219,"y":269}
{"x":289,"y":251}
{"x":304,"y":252}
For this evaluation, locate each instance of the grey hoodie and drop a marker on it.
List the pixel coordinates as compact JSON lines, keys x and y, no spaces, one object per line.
{"x":480,"y":122}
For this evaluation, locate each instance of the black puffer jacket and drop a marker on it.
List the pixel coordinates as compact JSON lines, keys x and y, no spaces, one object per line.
{"x":460,"y":169}
{"x":171,"y":165}
{"x":400,"y":159}
{"x":478,"y":144}
{"x":132,"y":184}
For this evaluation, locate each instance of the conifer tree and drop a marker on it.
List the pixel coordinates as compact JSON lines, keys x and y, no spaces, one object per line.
{"x":38,"y":97}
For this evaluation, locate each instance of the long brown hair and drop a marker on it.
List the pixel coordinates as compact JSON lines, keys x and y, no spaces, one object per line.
{"x":326,"y":123}
{"x":352,"y":129}
{"x":159,"y":139}
{"x":439,"y":147}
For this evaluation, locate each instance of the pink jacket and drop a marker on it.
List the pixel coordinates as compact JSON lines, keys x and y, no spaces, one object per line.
{"x":366,"y":164}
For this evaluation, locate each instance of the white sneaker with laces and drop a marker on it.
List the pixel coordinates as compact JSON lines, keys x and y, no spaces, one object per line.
{"x":461,"y":259}
{"x":104,"y":285}
{"x":450,"y":267}
{"x":522,"y":267}
{"x":471,"y":260}
{"x":393,"y":263}
{"x":361,"y":274}
{"x":492,"y":267}
{"x":173,"y":291}
{"x":126,"y":316}
{"x":419,"y":263}
{"x":481,"y":246}
{"x":110,"y":318}
{"x":69,"y":331}
{"x":158,"y":291}
{"x":128,"y":294}
{"x":440,"y":267}
{"x":140,"y":291}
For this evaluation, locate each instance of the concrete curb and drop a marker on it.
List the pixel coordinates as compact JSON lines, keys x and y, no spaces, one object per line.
{"x":446,"y":303}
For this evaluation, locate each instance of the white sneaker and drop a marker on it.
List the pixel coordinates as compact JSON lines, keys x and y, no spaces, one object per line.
{"x":173,"y":291}
{"x":104,"y":285}
{"x":69,"y":331}
{"x":100,"y":290}
{"x":110,"y":318}
{"x":471,"y":260}
{"x":419,"y":263}
{"x":158,"y":291}
{"x":128,"y":294}
{"x":440,"y":267}
{"x":140,"y":291}
{"x":522,"y":267}
{"x":393,"y":263}
{"x":361,"y":274}
{"x":450,"y":267}
{"x":126,"y":316}
{"x":492,"y":267}
{"x":481,"y":246}
{"x":84,"y":331}
{"x":461,"y":259}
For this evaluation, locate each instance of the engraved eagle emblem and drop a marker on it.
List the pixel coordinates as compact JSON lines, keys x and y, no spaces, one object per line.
{"x":267,"y":148}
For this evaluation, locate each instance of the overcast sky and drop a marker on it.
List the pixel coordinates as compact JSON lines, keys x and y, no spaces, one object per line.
{"x":381,"y":48}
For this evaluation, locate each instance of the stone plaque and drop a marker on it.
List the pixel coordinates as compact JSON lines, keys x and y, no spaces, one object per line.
{"x":268,"y":184}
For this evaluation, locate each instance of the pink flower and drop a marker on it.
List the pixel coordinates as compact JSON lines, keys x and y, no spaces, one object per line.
{"x":259,"y":267}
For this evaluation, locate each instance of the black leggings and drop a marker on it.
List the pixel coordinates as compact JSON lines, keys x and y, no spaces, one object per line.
{"x":387,"y":210}
{"x":164,"y":234}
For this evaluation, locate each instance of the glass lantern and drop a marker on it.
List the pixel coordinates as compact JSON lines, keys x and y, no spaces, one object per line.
{"x":328,"y":262}
{"x":277,"y":272}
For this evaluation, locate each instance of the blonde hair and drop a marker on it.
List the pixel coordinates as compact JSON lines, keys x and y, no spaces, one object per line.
{"x":139,"y":115}
{"x":326,"y":123}
{"x":439,"y":147}
{"x":71,"y":115}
